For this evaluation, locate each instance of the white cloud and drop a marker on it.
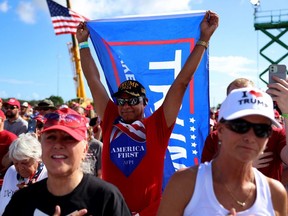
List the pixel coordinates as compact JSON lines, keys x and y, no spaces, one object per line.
{"x":95,"y":9}
{"x":234,"y":66}
{"x":4,"y":6}
{"x":15,"y":81}
{"x":35,"y":96}
{"x":225,"y":69}
{"x":42,"y":4}
{"x":3,"y":94}
{"x":110,"y":8}
{"x":26,"y":12}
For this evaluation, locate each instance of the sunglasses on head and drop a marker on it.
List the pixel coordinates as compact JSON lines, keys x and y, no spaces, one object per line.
{"x":11,"y":107}
{"x":130,"y":101}
{"x":242,"y":126}
{"x":68,"y":120}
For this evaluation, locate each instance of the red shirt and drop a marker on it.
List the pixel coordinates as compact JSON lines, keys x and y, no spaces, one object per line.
{"x":142,"y":185}
{"x":6,"y":138}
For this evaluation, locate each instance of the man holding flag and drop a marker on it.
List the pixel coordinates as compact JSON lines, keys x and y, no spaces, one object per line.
{"x":133,"y":146}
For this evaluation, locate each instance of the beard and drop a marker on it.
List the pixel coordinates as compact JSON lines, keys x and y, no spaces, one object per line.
{"x":10,"y":114}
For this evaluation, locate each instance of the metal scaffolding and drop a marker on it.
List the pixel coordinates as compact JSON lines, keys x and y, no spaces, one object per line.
{"x":265,"y":21}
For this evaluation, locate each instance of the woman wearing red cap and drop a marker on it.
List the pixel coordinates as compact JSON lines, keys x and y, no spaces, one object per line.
{"x":67,"y":190}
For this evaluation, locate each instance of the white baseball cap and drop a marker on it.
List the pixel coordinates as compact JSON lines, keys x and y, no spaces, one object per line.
{"x":25,"y":104}
{"x":247,"y":101}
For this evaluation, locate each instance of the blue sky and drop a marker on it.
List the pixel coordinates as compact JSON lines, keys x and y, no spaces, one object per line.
{"x":36,"y":64}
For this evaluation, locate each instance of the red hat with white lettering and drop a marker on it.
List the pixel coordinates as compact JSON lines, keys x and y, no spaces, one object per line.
{"x":247,"y":101}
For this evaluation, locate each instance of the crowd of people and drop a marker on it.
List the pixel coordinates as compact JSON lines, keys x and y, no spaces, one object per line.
{"x":68,"y":160}
{"x":21,"y":135}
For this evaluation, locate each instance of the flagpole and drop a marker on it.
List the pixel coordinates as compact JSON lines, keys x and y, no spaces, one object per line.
{"x":80,"y":90}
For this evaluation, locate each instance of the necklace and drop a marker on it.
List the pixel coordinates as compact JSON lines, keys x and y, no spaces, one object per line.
{"x":242,"y":204}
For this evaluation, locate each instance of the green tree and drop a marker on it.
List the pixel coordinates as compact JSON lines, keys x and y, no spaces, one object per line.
{"x":57,"y":100}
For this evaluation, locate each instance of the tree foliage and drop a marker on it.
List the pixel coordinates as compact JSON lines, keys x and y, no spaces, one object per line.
{"x":57,"y":100}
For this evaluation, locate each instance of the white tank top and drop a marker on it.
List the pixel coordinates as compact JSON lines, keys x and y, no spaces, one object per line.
{"x":205,"y":203}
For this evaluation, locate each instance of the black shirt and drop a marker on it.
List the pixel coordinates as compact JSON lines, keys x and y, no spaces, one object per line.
{"x":94,"y":194}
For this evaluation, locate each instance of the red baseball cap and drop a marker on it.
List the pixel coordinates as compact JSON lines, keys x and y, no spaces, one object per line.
{"x":67,"y":120}
{"x":40,"y":118}
{"x":276,"y":113}
{"x":2,"y":115}
{"x":89,"y":107}
{"x":13,"y":102}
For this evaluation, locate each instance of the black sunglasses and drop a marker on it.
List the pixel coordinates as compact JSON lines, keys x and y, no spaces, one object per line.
{"x":11,"y":107}
{"x":130,"y":101}
{"x":242,"y":126}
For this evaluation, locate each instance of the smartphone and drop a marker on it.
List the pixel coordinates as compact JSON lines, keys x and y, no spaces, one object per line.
{"x":277,"y":70}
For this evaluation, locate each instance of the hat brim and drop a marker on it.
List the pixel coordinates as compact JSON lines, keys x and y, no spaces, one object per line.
{"x":45,"y":107}
{"x":248,"y":112}
{"x":68,"y":130}
{"x":12,"y":104}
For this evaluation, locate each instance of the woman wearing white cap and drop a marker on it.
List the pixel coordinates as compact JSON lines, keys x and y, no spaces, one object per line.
{"x":229,"y":185}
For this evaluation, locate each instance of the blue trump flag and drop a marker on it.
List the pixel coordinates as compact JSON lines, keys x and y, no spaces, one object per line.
{"x":152,"y":50}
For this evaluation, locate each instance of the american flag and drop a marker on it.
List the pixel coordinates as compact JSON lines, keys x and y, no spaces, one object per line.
{"x":64,"y":20}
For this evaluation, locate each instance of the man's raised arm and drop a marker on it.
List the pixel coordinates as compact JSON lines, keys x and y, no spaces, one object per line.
{"x":91,"y":72}
{"x":176,"y":92}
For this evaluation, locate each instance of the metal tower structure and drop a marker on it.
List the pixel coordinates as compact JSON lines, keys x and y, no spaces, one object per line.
{"x":75,"y":57}
{"x":266,"y":21}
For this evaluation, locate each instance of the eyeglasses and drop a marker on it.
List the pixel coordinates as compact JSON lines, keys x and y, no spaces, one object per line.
{"x":68,"y":120}
{"x":130,"y":101}
{"x":11,"y":107}
{"x":241,"y":126}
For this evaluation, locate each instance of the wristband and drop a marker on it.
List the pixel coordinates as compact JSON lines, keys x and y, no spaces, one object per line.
{"x":202,"y":43}
{"x":83,"y":45}
{"x":284,"y":115}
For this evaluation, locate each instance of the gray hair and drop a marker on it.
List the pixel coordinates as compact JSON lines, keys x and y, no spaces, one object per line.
{"x":26,"y":146}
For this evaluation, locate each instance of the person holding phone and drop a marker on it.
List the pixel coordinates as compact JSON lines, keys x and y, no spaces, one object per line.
{"x":279,"y":93}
